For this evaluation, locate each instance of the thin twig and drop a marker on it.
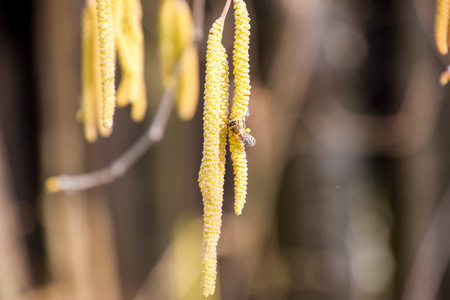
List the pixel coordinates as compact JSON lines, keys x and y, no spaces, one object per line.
{"x":225,"y":10}
{"x":121,"y":165}
{"x":425,"y":276}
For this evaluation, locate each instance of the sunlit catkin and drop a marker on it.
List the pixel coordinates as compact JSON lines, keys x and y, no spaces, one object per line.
{"x":211,"y":175}
{"x":441,"y":25}
{"x":107,"y":60}
{"x":240,"y":101}
{"x":241,"y":65}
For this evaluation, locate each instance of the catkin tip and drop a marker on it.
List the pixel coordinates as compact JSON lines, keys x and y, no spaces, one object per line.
{"x":444,"y":78}
{"x":51,"y":185}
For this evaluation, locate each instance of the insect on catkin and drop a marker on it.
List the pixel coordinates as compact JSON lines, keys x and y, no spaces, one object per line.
{"x":107,"y":60}
{"x":212,"y":170}
{"x":240,"y":101}
{"x":441,"y":25}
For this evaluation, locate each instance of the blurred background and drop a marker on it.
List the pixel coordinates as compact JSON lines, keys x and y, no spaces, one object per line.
{"x":348,"y":181}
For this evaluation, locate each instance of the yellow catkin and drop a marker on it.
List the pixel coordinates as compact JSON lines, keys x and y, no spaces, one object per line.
{"x":90,"y":112}
{"x":241,"y":65}
{"x":441,"y":25}
{"x":240,"y":101}
{"x":107,"y":60}
{"x":239,"y":159}
{"x":124,"y":57}
{"x":184,"y":32}
{"x":188,"y":84}
{"x":138,"y":93}
{"x":166,"y":33}
{"x":129,"y":39}
{"x":89,"y":43}
{"x":211,"y":175}
{"x":51,"y":184}
{"x":445,"y":77}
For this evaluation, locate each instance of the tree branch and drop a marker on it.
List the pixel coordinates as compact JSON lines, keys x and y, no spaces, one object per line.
{"x":120,"y":166}
{"x":116,"y":169}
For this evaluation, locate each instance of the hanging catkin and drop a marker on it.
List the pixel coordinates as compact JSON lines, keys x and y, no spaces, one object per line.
{"x":441,"y":25}
{"x":107,"y":60}
{"x":212,"y":170}
{"x":240,"y":101}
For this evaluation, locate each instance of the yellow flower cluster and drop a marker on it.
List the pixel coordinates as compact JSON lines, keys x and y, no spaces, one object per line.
{"x":240,"y":102}
{"x":442,"y":25}
{"x":176,"y":39}
{"x":241,"y":65}
{"x":110,"y":25}
{"x":212,"y":170}
{"x":215,"y":128}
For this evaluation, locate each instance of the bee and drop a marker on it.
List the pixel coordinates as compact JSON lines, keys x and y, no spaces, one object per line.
{"x":243,"y":135}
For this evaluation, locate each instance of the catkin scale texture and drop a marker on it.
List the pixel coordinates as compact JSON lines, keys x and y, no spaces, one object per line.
{"x":107,"y":60}
{"x":212,"y":170}
{"x":240,"y":101}
{"x":92,"y":102}
{"x":241,"y":59}
{"x":441,"y":26}
{"x":239,"y":158}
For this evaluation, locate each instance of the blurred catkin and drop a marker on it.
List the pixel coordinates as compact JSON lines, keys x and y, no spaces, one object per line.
{"x":107,"y":60}
{"x":441,"y":25}
{"x":176,"y":38}
{"x":89,"y":72}
{"x":240,"y":101}
{"x":166,"y":33}
{"x":188,"y":82}
{"x":212,"y":170}
{"x":129,"y":37}
{"x":445,"y":77}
